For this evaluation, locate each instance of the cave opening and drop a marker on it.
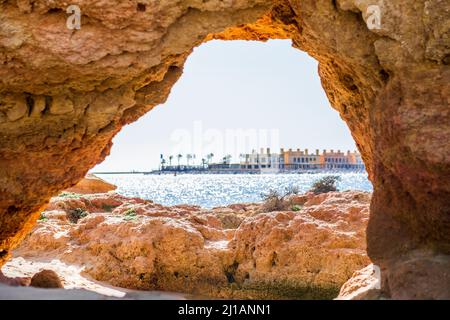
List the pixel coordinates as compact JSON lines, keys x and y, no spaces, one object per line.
{"x":234,"y":99}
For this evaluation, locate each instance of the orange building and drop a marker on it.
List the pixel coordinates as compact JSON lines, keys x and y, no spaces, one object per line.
{"x":301,"y":159}
{"x":341,"y":160}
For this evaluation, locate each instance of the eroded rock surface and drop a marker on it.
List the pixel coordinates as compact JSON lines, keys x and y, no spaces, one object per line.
{"x":65,"y":93}
{"x":91,"y":184}
{"x":363,"y":285}
{"x":138,"y":244}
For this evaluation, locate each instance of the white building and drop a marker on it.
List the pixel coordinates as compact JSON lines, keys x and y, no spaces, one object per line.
{"x":261,"y":160}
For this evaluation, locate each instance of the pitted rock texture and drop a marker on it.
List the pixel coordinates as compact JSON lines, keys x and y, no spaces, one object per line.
{"x":65,"y":93}
{"x":421,"y":273}
{"x":230,"y":252}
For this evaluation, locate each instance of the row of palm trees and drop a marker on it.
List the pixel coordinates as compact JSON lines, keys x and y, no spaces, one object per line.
{"x":204,"y":161}
{"x":190,"y":156}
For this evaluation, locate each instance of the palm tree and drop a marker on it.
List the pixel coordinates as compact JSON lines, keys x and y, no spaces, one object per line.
{"x":179,"y":156}
{"x":226,"y":159}
{"x":189,"y":156}
{"x":210,"y":156}
{"x":203,"y":162}
{"x":170,"y":160}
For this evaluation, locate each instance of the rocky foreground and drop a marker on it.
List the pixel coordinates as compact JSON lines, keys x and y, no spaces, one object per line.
{"x":307,"y":251}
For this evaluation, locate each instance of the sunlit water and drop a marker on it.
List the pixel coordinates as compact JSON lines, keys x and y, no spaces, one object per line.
{"x":212,"y":190}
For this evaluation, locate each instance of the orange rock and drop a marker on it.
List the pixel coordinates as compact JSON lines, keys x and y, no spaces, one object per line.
{"x":46,"y":279}
{"x":142,"y":245}
{"x":317,"y":247}
{"x":92,"y":184}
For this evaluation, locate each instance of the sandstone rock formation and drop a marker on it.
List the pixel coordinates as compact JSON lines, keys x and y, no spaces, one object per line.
{"x":314,"y":251}
{"x":91,"y":184}
{"x":363,"y":285}
{"x":65,"y":93}
{"x":46,"y":279}
{"x":232,"y":252}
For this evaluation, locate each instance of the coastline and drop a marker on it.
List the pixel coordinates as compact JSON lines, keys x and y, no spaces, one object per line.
{"x":231,"y":171}
{"x":213,"y":190}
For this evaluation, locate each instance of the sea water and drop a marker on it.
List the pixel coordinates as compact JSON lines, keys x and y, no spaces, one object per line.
{"x":212,"y":190}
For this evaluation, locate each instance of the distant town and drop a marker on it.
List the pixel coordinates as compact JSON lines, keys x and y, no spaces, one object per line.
{"x":265,"y":161}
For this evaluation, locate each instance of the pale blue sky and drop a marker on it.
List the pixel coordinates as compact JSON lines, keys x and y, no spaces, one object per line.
{"x":268,"y":89}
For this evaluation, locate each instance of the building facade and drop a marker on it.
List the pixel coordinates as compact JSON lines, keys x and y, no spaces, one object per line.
{"x":285,"y":161}
{"x":264,"y":159}
{"x":301,"y":159}
{"x":288,"y":160}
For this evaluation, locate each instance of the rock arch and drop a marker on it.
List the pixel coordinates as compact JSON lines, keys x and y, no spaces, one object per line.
{"x":65,"y":93}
